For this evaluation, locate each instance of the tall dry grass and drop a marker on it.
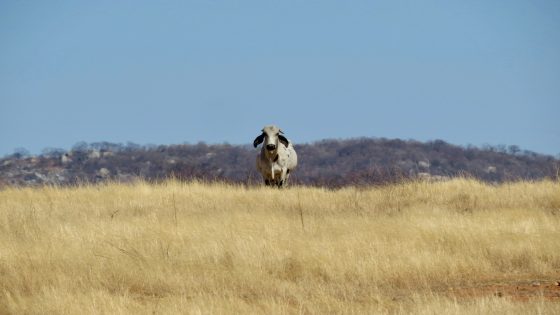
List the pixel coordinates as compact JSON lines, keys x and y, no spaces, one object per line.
{"x":200,"y":248}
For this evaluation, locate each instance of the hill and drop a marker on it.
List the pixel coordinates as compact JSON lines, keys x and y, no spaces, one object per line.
{"x":330,"y":163}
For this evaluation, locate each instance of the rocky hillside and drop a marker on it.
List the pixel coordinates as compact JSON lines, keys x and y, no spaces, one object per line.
{"x":330,"y":163}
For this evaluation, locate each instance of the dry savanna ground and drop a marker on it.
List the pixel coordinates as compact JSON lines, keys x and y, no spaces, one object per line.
{"x":456,"y":247}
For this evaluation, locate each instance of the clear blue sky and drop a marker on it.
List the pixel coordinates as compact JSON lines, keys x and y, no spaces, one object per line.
{"x":162,"y":72}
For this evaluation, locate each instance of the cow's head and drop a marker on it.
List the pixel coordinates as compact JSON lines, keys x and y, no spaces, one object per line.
{"x":272,"y":138}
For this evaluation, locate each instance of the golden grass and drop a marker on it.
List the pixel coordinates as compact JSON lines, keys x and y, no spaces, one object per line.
{"x":200,"y":248}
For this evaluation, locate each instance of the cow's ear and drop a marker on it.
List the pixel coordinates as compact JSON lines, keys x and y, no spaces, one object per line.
{"x":258,"y":140}
{"x":283,"y":140}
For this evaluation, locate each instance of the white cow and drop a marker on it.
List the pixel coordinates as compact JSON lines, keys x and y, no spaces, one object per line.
{"x":277,"y":157}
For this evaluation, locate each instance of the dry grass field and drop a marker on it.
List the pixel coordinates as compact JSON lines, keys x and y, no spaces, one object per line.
{"x":456,"y":247}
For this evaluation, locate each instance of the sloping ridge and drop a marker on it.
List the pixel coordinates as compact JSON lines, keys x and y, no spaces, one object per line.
{"x":330,"y":163}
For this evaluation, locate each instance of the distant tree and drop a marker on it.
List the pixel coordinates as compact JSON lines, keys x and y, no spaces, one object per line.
{"x":131,"y":146}
{"x":501,"y":148}
{"x":438,"y":145}
{"x":52,"y":152}
{"x":107,"y":146}
{"x":513,"y":149}
{"x":150,"y":146}
{"x":81,"y":146}
{"x":20,"y":153}
{"x":488,"y":147}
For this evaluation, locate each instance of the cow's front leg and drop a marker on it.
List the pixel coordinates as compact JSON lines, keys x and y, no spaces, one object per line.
{"x":283,"y":177}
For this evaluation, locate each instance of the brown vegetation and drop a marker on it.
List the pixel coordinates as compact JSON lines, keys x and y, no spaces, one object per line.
{"x":174,"y":247}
